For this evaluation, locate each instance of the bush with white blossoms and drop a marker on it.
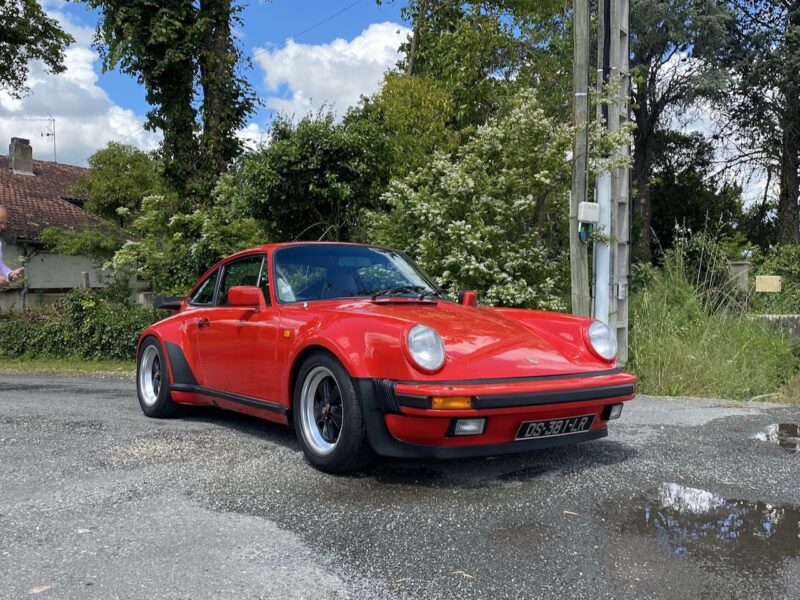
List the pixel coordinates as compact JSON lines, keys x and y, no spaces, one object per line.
{"x":494,"y":216}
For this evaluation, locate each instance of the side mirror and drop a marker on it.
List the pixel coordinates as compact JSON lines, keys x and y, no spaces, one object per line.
{"x":246,"y":296}
{"x":168,"y":302}
{"x":468,"y":298}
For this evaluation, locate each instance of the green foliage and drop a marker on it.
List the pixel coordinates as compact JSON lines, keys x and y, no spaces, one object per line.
{"x":682,"y":344}
{"x":182,"y":51}
{"x":28,"y":34}
{"x":493,"y":217}
{"x":119,"y":177}
{"x":481,"y":53}
{"x":82,"y":325}
{"x":86,"y":242}
{"x":681,"y":195}
{"x":672,"y":45}
{"x":784,"y":261}
{"x":417,"y":116}
{"x":763,"y":97}
{"x":174,"y":248}
{"x":314,"y":178}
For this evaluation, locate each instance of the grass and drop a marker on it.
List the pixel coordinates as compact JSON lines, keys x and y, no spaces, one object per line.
{"x":121,"y":369}
{"x":686,"y":341}
{"x":789,"y":393}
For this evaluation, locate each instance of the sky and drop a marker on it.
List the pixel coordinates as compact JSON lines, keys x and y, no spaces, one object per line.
{"x":306,"y":55}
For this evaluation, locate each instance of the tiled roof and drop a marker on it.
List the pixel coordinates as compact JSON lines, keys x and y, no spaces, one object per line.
{"x":35,"y":202}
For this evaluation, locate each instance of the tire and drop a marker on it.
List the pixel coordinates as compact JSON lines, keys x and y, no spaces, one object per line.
{"x":327,"y":416}
{"x":152,"y":381}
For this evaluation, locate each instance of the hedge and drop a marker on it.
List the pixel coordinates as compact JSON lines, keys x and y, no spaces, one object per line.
{"x":82,"y":325}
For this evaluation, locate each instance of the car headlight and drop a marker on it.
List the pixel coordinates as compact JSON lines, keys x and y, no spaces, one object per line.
{"x":425,"y":347}
{"x":603,"y":341}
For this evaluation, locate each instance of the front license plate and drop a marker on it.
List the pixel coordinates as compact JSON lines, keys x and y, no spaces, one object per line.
{"x":554,"y":427}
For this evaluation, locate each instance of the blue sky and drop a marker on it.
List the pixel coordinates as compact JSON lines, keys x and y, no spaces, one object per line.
{"x":307,"y":54}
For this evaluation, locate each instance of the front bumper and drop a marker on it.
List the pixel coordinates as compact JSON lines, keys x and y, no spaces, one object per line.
{"x":400,"y":423}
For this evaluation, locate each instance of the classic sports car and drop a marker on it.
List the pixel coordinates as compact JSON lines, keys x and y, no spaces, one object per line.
{"x":358,"y":350}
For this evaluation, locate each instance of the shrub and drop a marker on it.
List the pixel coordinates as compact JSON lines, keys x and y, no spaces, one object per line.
{"x":784,"y":261}
{"x":83,"y":325}
{"x":687,"y":339}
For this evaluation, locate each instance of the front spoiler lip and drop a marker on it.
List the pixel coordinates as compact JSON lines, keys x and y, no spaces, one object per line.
{"x":376,"y":399}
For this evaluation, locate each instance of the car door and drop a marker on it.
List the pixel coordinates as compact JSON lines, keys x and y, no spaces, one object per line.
{"x":237,"y":344}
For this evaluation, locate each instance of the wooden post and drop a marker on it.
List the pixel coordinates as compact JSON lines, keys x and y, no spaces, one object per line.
{"x":578,"y":250}
{"x":612,"y":40}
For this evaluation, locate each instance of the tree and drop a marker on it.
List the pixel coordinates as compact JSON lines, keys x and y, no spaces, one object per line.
{"x":417,"y":118}
{"x":119,"y":177}
{"x":479,"y":52}
{"x":182,"y":51}
{"x":682,"y":196}
{"x":671,"y":44}
{"x":26,"y":34}
{"x":171,"y":253}
{"x":764,"y":97}
{"x":315,"y":177}
{"x":492,"y":217}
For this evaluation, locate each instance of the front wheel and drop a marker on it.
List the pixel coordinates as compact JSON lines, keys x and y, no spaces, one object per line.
{"x":327,"y":416}
{"x":152,"y":381}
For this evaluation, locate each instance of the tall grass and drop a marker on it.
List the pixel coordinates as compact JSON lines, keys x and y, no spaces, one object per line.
{"x":690,"y":336}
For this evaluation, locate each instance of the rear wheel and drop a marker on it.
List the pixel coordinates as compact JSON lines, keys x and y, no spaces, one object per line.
{"x":327,"y":416}
{"x":152,"y":381}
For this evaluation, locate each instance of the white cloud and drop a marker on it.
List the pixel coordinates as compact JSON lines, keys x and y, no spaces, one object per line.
{"x":333,"y":75}
{"x":253,"y":136}
{"x":85,"y":117}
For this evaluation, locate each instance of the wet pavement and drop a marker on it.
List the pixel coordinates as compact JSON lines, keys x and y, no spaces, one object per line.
{"x":686,"y":498}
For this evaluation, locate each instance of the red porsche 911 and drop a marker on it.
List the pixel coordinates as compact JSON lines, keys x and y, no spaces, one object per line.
{"x":358,"y":350}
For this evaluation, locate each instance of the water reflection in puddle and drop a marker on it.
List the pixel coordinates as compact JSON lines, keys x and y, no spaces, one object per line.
{"x":720,"y":533}
{"x":785,"y":435}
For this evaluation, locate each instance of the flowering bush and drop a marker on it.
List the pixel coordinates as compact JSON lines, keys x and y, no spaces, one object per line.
{"x":494,"y":216}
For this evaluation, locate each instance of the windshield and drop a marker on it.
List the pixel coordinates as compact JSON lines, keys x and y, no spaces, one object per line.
{"x":321,"y":271}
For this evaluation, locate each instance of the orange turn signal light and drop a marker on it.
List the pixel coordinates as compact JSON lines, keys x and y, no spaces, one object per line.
{"x":451,"y":402}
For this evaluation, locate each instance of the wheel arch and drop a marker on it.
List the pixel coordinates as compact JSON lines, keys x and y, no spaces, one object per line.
{"x":297,"y":364}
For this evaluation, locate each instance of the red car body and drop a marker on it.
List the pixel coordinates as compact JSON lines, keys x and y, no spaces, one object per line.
{"x":514,"y":366}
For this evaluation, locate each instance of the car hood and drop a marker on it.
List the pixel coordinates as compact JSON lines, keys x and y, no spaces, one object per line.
{"x":486,"y":343}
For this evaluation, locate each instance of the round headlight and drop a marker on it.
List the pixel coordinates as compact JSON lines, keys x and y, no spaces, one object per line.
{"x":603,"y":341}
{"x":425,"y":347}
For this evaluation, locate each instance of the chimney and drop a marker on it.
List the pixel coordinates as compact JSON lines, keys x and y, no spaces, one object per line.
{"x":20,"y":156}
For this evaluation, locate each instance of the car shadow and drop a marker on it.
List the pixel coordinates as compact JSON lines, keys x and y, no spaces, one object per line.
{"x":502,"y":470}
{"x":242,"y":423}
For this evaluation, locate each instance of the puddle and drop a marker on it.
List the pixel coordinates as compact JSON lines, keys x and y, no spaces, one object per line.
{"x":719,"y":533}
{"x":785,"y":435}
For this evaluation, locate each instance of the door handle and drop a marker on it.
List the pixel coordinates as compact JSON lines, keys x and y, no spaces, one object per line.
{"x":203,"y":322}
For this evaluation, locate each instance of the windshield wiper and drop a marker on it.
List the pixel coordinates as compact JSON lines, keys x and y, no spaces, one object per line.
{"x":404,"y":289}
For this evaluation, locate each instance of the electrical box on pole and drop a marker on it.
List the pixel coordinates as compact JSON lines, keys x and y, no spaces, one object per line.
{"x":613,"y":275}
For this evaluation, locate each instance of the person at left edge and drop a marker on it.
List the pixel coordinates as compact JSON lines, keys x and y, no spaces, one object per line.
{"x":6,"y":274}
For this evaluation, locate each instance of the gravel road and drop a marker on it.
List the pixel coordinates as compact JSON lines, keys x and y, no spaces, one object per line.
{"x":686,"y":498}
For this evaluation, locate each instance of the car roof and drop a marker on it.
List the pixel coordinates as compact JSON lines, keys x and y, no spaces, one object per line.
{"x":275,"y":246}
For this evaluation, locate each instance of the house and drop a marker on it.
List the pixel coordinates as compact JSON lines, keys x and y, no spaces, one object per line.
{"x":36,"y":195}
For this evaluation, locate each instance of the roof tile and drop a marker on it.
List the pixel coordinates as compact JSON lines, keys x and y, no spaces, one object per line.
{"x":35,"y":202}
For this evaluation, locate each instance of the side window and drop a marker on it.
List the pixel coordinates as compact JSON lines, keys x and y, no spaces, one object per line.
{"x":244,"y":271}
{"x":205,"y":292}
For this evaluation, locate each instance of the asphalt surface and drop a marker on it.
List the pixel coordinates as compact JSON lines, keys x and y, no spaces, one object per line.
{"x":686,"y":498}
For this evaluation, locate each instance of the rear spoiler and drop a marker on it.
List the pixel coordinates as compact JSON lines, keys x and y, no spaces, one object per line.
{"x":168,"y":302}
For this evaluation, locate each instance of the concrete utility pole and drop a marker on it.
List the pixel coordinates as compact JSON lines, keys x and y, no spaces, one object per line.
{"x":578,"y":250}
{"x":612,"y":259}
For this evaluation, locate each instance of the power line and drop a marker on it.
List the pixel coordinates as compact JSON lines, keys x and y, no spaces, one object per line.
{"x":315,"y":25}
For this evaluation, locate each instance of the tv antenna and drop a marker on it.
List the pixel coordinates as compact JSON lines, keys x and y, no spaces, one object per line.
{"x":50,"y":133}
